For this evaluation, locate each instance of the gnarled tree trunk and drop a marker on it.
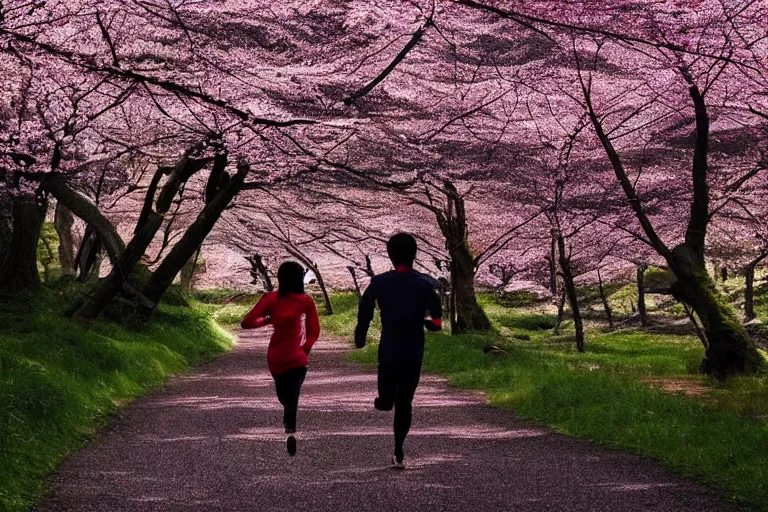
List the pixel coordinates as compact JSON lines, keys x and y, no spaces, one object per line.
{"x":88,"y":258}
{"x":749,"y":293}
{"x":259,"y":272}
{"x":96,"y":300}
{"x":469,"y":315}
{"x":730,"y":349}
{"x":466,"y":314}
{"x":192,"y":239}
{"x":19,"y":269}
{"x":63,"y":221}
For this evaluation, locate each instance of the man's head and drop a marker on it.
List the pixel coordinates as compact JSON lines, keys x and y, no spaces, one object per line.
{"x":402,"y":249}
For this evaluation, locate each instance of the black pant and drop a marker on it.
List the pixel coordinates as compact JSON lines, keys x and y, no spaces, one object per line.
{"x":397,"y":385}
{"x":288,"y":387}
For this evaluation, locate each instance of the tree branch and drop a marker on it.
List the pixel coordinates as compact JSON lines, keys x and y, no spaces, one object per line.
{"x":415,"y":38}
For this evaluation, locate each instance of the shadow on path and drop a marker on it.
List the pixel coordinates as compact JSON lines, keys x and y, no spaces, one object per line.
{"x":212,"y":441}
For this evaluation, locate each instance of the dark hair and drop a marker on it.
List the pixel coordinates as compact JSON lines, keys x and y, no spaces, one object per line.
{"x":290,"y":278}
{"x":402,"y":249}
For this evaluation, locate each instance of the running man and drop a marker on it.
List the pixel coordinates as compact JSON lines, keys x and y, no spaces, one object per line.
{"x":404,"y":297}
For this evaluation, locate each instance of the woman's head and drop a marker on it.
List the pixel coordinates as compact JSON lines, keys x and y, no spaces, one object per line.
{"x":290,"y":278}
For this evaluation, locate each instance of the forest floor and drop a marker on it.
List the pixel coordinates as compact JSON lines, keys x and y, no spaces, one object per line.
{"x":211,"y":440}
{"x":60,"y":382}
{"x":633,"y":389}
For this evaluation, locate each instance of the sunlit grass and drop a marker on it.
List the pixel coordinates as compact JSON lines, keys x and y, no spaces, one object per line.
{"x":60,"y":381}
{"x":719,"y":437}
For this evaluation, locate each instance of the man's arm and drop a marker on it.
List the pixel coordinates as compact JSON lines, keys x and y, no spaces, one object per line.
{"x":435,"y":308}
{"x":364,"y":315}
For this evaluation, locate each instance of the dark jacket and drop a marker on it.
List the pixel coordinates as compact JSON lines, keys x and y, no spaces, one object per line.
{"x":404,"y":298}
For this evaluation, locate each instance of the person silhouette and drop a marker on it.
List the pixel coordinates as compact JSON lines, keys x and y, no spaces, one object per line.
{"x":297,"y":327}
{"x":404,"y":297}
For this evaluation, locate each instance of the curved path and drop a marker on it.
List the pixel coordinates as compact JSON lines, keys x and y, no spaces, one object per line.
{"x":211,"y":441}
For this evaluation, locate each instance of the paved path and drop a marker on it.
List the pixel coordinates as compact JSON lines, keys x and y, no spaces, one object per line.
{"x":211,"y":441}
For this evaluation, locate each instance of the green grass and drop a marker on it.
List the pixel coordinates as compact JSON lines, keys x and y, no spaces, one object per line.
{"x":59,"y":381}
{"x":228,"y":307}
{"x":719,"y":438}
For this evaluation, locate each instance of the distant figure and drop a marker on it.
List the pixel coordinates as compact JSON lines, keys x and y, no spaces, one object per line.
{"x":309,"y":277}
{"x":403,"y":296}
{"x":297,"y":327}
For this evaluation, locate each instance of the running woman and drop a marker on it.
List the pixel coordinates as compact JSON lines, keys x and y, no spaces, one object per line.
{"x":404,"y":297}
{"x":293,"y":315}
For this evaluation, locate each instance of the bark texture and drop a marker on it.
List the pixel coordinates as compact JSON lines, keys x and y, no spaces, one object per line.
{"x":19,"y":270}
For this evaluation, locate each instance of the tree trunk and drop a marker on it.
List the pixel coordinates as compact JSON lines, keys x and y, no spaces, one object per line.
{"x":469,"y":315}
{"x":259,"y":272}
{"x":724,"y":273}
{"x":749,"y":293}
{"x":324,"y":290}
{"x":63,"y":221}
{"x":452,"y":221}
{"x":88,"y":259}
{"x":188,"y":273}
{"x":641,"y":295}
{"x":697,"y":329}
{"x":19,"y":269}
{"x":6,"y":225}
{"x":553,"y":263}
{"x":445,"y":294}
{"x":86,"y":209}
{"x":192,"y":239}
{"x":452,"y":302}
{"x":570,"y":291}
{"x":560,"y":312}
{"x":604,"y":299}
{"x":730,"y":349}
{"x":90,"y":306}
{"x":354,"y":280}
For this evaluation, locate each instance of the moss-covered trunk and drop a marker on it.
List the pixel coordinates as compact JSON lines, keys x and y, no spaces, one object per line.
{"x":469,"y":315}
{"x":730,"y":350}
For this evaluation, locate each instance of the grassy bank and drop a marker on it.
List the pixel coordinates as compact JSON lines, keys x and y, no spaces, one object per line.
{"x":59,"y":381}
{"x":629,"y":390}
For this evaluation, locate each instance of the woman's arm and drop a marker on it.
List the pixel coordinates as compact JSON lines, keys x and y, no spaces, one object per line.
{"x":312,"y":325}
{"x":259,"y":315}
